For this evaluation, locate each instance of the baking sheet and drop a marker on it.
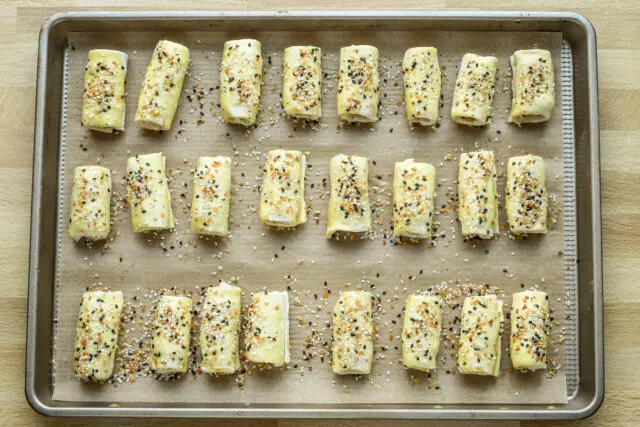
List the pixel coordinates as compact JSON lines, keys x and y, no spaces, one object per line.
{"x":256,"y":257}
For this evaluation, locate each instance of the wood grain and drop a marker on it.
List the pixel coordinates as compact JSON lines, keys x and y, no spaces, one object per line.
{"x":617,"y":28}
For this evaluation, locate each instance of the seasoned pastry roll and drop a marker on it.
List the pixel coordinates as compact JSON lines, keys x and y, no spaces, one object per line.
{"x":171,"y":335}
{"x":478,"y":199}
{"x":352,"y":350}
{"x":413,"y":199}
{"x":220,"y":329}
{"x":149,"y":197}
{"x":421,"y":329}
{"x":211,"y":196}
{"x":480,"y":336}
{"x":526,"y":195}
{"x":90,"y":203}
{"x":267,"y":334}
{"x":529,"y":319}
{"x":473,"y":95}
{"x":103,"y":98}
{"x":301,"y":94}
{"x":358,"y":84}
{"x":97,"y":335}
{"x":422,"y":85}
{"x":282,"y":196}
{"x":533,"y":86}
{"x":162,"y":86}
{"x":240,"y":81}
{"x":349,"y":209}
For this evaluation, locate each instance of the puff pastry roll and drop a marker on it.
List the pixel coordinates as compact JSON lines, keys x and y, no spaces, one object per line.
{"x":90,"y":203}
{"x":282,"y":196}
{"x":171,"y":335}
{"x":349,"y":209}
{"x":162,"y":86}
{"x":421,"y":329}
{"x":358,"y":84}
{"x":97,"y":335}
{"x":422,"y":85}
{"x":267,"y":334}
{"x":103,"y":97}
{"x":211,"y":196}
{"x":220,"y":329}
{"x":473,"y":95}
{"x":529,"y":319}
{"x":526,"y":195}
{"x":148,"y":190}
{"x":240,"y":81}
{"x":533,"y":86}
{"x":301,"y":94}
{"x":480,"y":336}
{"x":478,"y":199}
{"x":413,"y":199}
{"x":352,"y":350}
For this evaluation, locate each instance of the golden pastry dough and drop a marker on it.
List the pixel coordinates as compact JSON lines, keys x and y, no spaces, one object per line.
{"x":97,"y":335}
{"x":302,"y":85}
{"x":422,"y":85}
{"x":211,"y":196}
{"x":90,"y":203}
{"x":479,"y":346}
{"x":241,"y":81}
{"x":282,"y":196}
{"x":358,"y":84}
{"x":533,"y":86}
{"x":473,"y":95}
{"x":349,"y":209}
{"x":352,"y":350}
{"x":103,"y":107}
{"x":162,"y":86}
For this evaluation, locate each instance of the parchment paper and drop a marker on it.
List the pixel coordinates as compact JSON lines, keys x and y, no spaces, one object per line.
{"x":303,"y":259}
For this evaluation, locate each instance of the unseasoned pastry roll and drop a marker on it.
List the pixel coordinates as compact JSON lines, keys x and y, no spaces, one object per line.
{"x":220,"y":329}
{"x":533,"y":86}
{"x":211,"y":196}
{"x":421,"y":329}
{"x":358,"y":84}
{"x":413,"y":199}
{"x":422,"y":85}
{"x":302,"y":88}
{"x":97,"y":335}
{"x":529,"y":338}
{"x":241,"y":81}
{"x":282,"y":196}
{"x":267,"y":334}
{"x":162,"y":86}
{"x":473,"y":95}
{"x":479,"y":347}
{"x":90,"y":203}
{"x":352,"y":350}
{"x":171,"y":335}
{"x":526,"y":195}
{"x":478,"y":199}
{"x":103,"y":107}
{"x":149,"y":197}
{"x":349,"y":209}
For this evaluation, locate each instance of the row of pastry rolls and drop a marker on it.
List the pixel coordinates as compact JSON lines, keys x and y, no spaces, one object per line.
{"x":266,"y":337}
{"x":282,"y":195}
{"x":481,"y":326}
{"x":241,"y":73}
{"x":525,"y":195}
{"x":266,"y":333}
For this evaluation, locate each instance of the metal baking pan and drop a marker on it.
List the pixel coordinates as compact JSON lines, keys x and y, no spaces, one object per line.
{"x":585,"y":384}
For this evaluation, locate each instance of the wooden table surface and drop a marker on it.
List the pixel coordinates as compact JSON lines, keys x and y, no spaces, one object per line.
{"x":618,"y":30}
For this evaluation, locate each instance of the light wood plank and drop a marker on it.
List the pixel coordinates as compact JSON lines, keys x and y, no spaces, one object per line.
{"x":618,"y":31}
